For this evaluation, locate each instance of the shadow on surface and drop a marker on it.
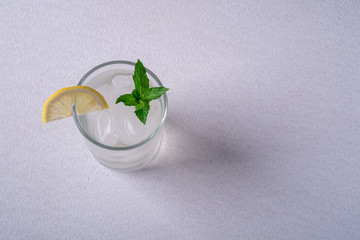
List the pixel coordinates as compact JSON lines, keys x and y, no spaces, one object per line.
{"x":199,"y":163}
{"x":198,"y":145}
{"x":194,"y":147}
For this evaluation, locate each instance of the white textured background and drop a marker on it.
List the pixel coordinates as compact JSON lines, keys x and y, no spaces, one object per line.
{"x":262,"y":139}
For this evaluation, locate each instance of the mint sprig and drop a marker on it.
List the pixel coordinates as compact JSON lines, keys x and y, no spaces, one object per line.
{"x":142,"y":94}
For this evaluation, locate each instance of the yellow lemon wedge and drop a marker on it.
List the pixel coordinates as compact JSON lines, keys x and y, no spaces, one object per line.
{"x":59,"y":105}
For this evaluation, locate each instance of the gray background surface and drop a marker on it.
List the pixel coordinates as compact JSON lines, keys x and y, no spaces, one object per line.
{"x":262,"y":139}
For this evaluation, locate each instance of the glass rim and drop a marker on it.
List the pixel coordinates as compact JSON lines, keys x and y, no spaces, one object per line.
{"x":92,"y":140}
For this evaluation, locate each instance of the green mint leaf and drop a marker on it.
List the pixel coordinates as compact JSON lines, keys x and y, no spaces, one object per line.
{"x":141,"y":110}
{"x":153,"y":93}
{"x":136,"y":79}
{"x":136,"y":94}
{"x":140,"y":78}
{"x":142,"y":94}
{"x":127,"y":99}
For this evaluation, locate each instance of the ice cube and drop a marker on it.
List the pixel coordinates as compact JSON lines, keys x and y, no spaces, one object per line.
{"x":104,"y":88}
{"x":120,"y":126}
{"x":88,"y":121}
{"x":106,"y":130}
{"x":119,"y":85}
{"x":122,"y":84}
{"x":131,"y":130}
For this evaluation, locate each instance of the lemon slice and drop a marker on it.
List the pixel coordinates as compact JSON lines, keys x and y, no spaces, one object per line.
{"x":59,"y":105}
